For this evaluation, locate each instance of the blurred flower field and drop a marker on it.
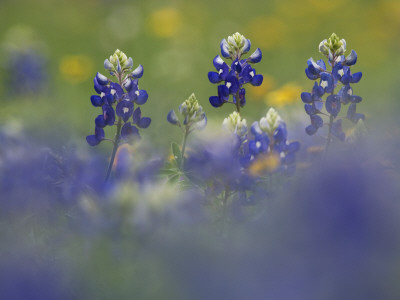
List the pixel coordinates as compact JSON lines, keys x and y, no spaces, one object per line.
{"x":199,"y":150}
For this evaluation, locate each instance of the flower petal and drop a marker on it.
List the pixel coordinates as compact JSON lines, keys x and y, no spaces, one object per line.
{"x":100,"y":122}
{"x":333,"y":105}
{"x":351,"y":59}
{"x":255,"y":57}
{"x":216,"y":101}
{"x":247,"y":45}
{"x":137,"y":115}
{"x":129,"y":132}
{"x":124,"y":110}
{"x":138,"y":72}
{"x":142,"y":97}
{"x":101,"y":79}
{"x":214,"y":77}
{"x":306,"y":97}
{"x":257,"y":80}
{"x":311,"y":129}
{"x":96,"y":100}
{"x":172,"y":117}
{"x":356,"y":77}
{"x":92,"y":140}
{"x":144,"y":122}
{"x":225,"y":48}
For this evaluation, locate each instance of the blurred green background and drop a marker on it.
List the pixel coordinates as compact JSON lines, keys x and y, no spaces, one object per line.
{"x":176,"y":41}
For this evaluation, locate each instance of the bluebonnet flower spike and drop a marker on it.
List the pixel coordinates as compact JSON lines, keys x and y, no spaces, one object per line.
{"x":234,"y":77}
{"x":117,"y":99}
{"x":334,"y":49}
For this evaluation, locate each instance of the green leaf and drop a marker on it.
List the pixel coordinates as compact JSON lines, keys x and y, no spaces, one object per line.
{"x":170,"y":171}
{"x":173,"y":178}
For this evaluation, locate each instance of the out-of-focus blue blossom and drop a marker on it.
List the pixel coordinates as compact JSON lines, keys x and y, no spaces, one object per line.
{"x":26,"y":73}
{"x":333,"y":234}
{"x":269,"y":140}
{"x":24,"y":62}
{"x":334,"y":49}
{"x":34,"y":178}
{"x":352,"y":115}
{"x":26,"y":278}
{"x":235,"y":76}
{"x":218,"y":164}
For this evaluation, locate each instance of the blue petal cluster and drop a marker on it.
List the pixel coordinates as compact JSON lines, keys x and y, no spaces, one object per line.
{"x":119,"y":103}
{"x":217,"y":166}
{"x":340,"y":75}
{"x":260,"y":144}
{"x":234,"y":76}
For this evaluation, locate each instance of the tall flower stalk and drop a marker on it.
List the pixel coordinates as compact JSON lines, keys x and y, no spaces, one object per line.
{"x":194,"y":118}
{"x":340,"y":74}
{"x":117,"y":97}
{"x":235,"y":76}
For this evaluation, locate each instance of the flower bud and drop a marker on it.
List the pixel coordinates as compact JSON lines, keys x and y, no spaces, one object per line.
{"x":323,"y":48}
{"x":118,"y":62}
{"x":333,"y":46}
{"x":235,"y":124}
{"x":235,"y":46}
{"x":270,"y":122}
{"x":191,"y":110}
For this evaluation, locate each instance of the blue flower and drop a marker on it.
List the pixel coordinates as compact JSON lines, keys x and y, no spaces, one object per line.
{"x":235,"y":76}
{"x":313,"y":101}
{"x":117,"y":99}
{"x":95,"y":139}
{"x":141,"y":122}
{"x":223,"y":96}
{"x":352,"y":115}
{"x":222,"y":68}
{"x":259,"y":144}
{"x":346,"y":95}
{"x":332,"y":105}
{"x":248,"y":75}
{"x":269,"y":137}
{"x":314,"y":69}
{"x":134,"y":94}
{"x":334,"y":49}
{"x":129,"y":132}
{"x":327,"y":82}
{"x":124,"y":110}
{"x":108,"y":114}
{"x":316,"y":122}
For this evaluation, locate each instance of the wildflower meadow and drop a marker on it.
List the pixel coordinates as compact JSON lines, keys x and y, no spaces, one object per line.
{"x":208,"y":150}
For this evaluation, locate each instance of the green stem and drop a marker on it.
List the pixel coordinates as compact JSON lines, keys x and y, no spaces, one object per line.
{"x":237,"y":102}
{"x":116,"y":140}
{"x":328,"y":141}
{"x":117,"y":136}
{"x":184,"y":146}
{"x":237,"y":96}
